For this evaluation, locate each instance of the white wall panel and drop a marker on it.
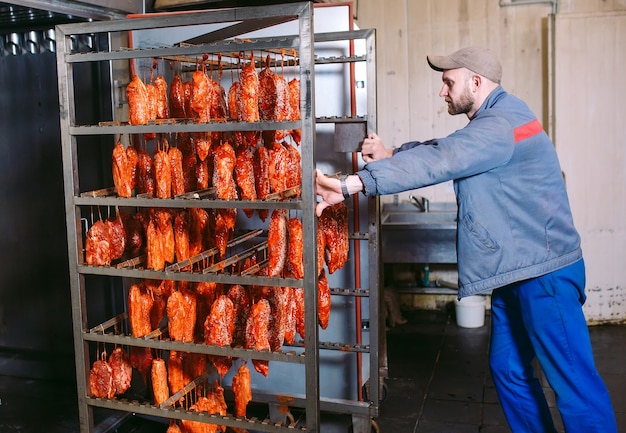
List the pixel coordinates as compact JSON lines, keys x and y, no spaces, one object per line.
{"x":590,"y":137}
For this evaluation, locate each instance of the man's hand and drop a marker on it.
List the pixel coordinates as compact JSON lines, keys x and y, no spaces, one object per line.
{"x":373,"y":149}
{"x":330,"y":190}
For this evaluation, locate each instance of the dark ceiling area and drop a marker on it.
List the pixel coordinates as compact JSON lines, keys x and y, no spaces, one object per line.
{"x":15,"y":18}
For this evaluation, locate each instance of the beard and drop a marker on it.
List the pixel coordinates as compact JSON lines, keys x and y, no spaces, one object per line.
{"x":463,"y":105}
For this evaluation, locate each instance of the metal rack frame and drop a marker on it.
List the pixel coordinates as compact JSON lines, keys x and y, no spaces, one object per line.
{"x":76,"y":199}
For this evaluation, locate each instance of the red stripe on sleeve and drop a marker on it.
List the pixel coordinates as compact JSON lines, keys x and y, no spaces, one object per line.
{"x":527,"y":130}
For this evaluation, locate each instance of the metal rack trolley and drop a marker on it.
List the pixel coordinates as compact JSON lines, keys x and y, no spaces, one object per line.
{"x":239,"y":21}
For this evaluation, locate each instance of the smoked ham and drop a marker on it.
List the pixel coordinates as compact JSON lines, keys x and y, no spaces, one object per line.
{"x":177,"y":99}
{"x":224,"y":161}
{"x":257,"y":335}
{"x":117,"y":237}
{"x":162,"y":106}
{"x":181,"y":235}
{"x":277,"y":242}
{"x":241,"y":308}
{"x":200,"y":96}
{"x":278,"y":167}
{"x":244,"y":175}
{"x":121,"y":369}
{"x":248,"y":106}
{"x":137,"y":96}
{"x":295,"y":249}
{"x":101,"y":380}
{"x":294,"y":108}
{"x":122,"y":174}
{"x":158,"y":374}
{"x":97,"y":245}
{"x":140,"y":303}
{"x":218,"y":330}
{"x":323,"y":300}
{"x":155,"y":258}
{"x":145,"y":173}
{"x":162,"y":173}
{"x":177,"y":177}
{"x":181,"y":315}
{"x":333,"y":225}
{"x":242,"y":390}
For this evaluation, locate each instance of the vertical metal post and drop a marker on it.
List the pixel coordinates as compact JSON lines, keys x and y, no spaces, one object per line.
{"x":72,"y":217}
{"x":309,"y":221}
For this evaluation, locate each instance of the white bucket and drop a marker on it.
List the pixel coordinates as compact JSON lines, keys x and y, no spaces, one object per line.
{"x":470,"y":311}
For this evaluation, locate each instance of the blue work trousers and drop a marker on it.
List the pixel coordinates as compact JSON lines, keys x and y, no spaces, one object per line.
{"x":543,"y":318}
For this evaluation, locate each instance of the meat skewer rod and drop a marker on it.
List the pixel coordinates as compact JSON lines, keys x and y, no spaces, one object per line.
{"x":236,"y":258}
{"x":176,"y":267}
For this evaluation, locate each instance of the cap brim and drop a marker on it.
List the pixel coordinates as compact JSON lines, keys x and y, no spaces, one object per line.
{"x":441,"y":63}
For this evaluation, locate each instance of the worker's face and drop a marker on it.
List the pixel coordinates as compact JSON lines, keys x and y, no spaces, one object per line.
{"x":457,"y":91}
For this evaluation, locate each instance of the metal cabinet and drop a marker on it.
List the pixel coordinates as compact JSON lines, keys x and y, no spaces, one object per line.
{"x":85,"y":204}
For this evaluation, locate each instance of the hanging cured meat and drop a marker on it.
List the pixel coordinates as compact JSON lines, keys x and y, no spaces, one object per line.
{"x":122,"y":171}
{"x":298,"y":298}
{"x":181,"y":235}
{"x":181,"y":315}
{"x":333,"y":224}
{"x":175,"y":376}
{"x":242,"y":390}
{"x":248,"y":109}
{"x":294,"y":108}
{"x":241,"y":308}
{"x":162,"y":106}
{"x":267,"y":92}
{"x":257,"y":335}
{"x":134,"y":234}
{"x":293,"y":175}
{"x":97,"y":245}
{"x":224,"y":161}
{"x":244,"y":175}
{"x":155,"y":258}
{"x":323,"y":300}
{"x":176,"y":165}
{"x":145,"y":173}
{"x":277,"y":242}
{"x":177,"y":99}
{"x":140,"y":303}
{"x":198,"y":219}
{"x":233,"y":100}
{"x":163,"y":172}
{"x":279,"y":302}
{"x":137,"y":96}
{"x":163,"y":219}
{"x":278,"y":167}
{"x":101,"y":380}
{"x":290,"y":315}
{"x":121,"y":369}
{"x":200,"y":96}
{"x":158,"y":375}
{"x":117,"y":237}
{"x":295,"y":249}
{"x":218,"y":330}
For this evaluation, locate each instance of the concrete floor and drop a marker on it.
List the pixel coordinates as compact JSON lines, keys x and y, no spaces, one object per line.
{"x":438,"y":382}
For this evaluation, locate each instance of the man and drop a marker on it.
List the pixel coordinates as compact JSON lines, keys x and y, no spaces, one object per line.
{"x":515,"y":238}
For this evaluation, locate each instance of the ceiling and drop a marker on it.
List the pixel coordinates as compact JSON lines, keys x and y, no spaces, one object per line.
{"x":27,"y":15}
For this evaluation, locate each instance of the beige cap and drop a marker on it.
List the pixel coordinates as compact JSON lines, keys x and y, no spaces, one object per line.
{"x":476,"y":59}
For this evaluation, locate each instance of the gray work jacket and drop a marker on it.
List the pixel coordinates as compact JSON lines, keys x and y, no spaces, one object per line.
{"x":514,"y":219}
